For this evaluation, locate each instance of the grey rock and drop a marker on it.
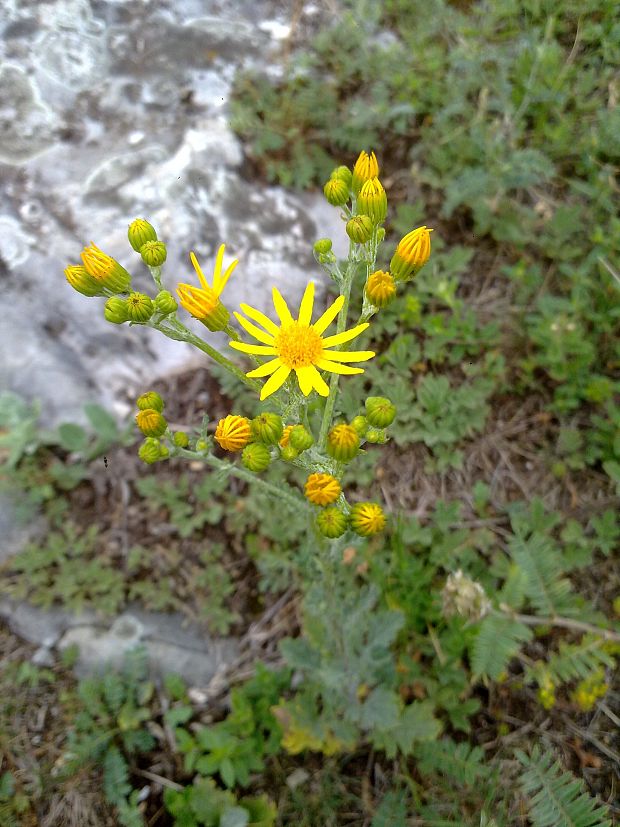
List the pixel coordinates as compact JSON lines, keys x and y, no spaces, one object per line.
{"x":27,"y":126}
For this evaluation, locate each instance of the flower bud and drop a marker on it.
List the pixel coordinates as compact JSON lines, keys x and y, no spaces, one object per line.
{"x":343,"y":442}
{"x":153,"y":253}
{"x":465,"y":597}
{"x":256,"y":457}
{"x":375,"y":436}
{"x":380,"y":288}
{"x":180,"y":439}
{"x":139,"y":232}
{"x":150,"y":399}
{"x":163,"y":452}
{"x":150,"y":451}
{"x":344,"y":173}
{"x":286,"y":433}
{"x":336,"y":191}
{"x":372,"y":201}
{"x":332,"y":522}
{"x":288,"y":453}
{"x":233,"y":433}
{"x":360,"y":423}
{"x":412,"y":253}
{"x":300,"y":439}
{"x":323,"y":245}
{"x":151,"y":422}
{"x":115,"y":310}
{"x":202,"y":445}
{"x":78,"y":278}
{"x":105,"y":270}
{"x":139,"y":308}
{"x":367,"y":519}
{"x":267,"y":428}
{"x":359,"y":229}
{"x":165,"y":303}
{"x":380,"y":412}
{"x":366,"y":167}
{"x":322,"y":489}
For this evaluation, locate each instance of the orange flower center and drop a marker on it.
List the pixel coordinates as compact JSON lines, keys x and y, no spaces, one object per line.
{"x":298,"y":346}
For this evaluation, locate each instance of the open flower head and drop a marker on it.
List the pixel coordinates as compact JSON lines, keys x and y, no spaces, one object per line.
{"x":298,"y":345}
{"x":203,"y":302}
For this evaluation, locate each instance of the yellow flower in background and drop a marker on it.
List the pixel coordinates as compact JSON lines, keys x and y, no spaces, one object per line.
{"x":299,"y":345}
{"x":203,"y":302}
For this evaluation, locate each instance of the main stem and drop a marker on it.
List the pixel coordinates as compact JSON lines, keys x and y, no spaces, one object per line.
{"x":564,"y":622}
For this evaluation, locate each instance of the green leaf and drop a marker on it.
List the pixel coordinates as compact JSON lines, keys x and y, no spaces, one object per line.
{"x":380,"y":710}
{"x":102,"y":421}
{"x":498,"y":640}
{"x":235,"y":817}
{"x":72,"y":437}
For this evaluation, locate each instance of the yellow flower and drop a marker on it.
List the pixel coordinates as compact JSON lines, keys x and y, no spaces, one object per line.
{"x":203,"y":303}
{"x":78,"y":278}
{"x":412,"y":253}
{"x":380,"y":288}
{"x":298,"y":345}
{"x":286,"y":433}
{"x":322,"y":489}
{"x":367,"y":519}
{"x":233,"y":433}
{"x":105,"y":270}
{"x":366,"y":167}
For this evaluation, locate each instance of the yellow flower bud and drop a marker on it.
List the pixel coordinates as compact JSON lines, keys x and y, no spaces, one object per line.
{"x":105,"y":270}
{"x":412,"y":253}
{"x":139,"y":308}
{"x":139,"y":232}
{"x":343,"y":442}
{"x":153,"y":253}
{"x":372,"y":201}
{"x":233,"y":433}
{"x":78,"y":278}
{"x":359,"y":229}
{"x":286,"y":433}
{"x":366,"y":167}
{"x":336,"y":191}
{"x":380,"y":288}
{"x":322,"y":489}
{"x":204,"y":304}
{"x":367,"y":519}
{"x":151,"y":422}
{"x":150,"y":399}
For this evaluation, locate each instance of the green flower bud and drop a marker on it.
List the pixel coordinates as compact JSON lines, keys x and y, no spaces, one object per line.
{"x":336,"y":191}
{"x":180,"y":439}
{"x":372,"y":201}
{"x":150,"y":451}
{"x":150,"y":399}
{"x":323,"y":245}
{"x":343,"y":442}
{"x":140,"y":308}
{"x":164,"y":453}
{"x":267,"y":428}
{"x":300,"y":439}
{"x":288,"y":453}
{"x":375,"y":436}
{"x":153,"y":253}
{"x":256,"y":457}
{"x":332,"y":522}
{"x":139,"y":232}
{"x":359,"y":229}
{"x":380,"y":412}
{"x":360,"y":423}
{"x":115,"y":310}
{"x":344,"y":173}
{"x":202,"y":445}
{"x":165,"y":302}
{"x":151,"y":422}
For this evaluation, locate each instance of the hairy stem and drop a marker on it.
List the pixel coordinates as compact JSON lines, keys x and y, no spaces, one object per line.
{"x":564,"y":622}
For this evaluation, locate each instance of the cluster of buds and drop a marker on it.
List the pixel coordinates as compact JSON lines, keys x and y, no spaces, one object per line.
{"x":151,"y":421}
{"x":590,"y":690}
{"x":464,"y":597}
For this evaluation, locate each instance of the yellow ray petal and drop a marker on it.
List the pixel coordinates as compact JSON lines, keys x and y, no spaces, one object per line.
{"x":304,"y":377}
{"x":259,"y":317}
{"x":198,"y":270}
{"x":334,"y":367}
{"x":348,"y":355}
{"x":328,"y":317}
{"x":281,"y":307}
{"x":264,"y":370}
{"x":275,"y":382}
{"x":307,"y":303}
{"x":265,"y":338}
{"x":259,"y":350}
{"x":346,"y":336}
{"x":319,"y":383}
{"x":217,"y":270}
{"x":223,"y":279}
